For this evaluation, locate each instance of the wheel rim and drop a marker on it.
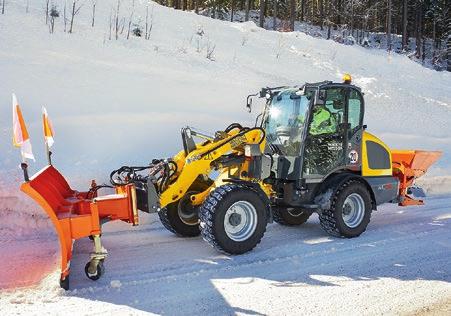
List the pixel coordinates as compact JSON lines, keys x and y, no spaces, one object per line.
{"x":186,"y":211}
{"x":240,"y":221}
{"x":353,"y":210}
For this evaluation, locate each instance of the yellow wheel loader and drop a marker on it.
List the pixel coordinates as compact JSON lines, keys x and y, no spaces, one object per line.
{"x":287,"y":167}
{"x":309,"y":152}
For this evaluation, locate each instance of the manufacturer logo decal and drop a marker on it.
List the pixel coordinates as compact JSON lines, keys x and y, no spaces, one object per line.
{"x":353,"y":156}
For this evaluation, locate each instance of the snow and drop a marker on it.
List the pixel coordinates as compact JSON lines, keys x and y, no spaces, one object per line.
{"x":400,"y":265}
{"x":123,"y":102}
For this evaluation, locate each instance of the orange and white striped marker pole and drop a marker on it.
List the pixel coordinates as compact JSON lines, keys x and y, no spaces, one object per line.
{"x":48,"y":134}
{"x":21,"y":139}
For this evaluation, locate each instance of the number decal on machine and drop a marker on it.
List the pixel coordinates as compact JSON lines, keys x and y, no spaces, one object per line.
{"x":353,"y":156}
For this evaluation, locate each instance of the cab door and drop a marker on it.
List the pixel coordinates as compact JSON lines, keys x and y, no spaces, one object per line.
{"x":326,"y":144}
{"x":354,"y":129}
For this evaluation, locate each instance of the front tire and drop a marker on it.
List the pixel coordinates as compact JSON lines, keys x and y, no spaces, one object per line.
{"x":181,"y":217}
{"x":233,"y":218}
{"x":350,"y":211}
{"x":289,"y":216}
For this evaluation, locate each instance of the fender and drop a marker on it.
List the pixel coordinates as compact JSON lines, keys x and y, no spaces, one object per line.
{"x":333,"y":182}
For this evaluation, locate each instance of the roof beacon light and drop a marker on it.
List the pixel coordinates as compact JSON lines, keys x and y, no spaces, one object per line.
{"x":347,"y":78}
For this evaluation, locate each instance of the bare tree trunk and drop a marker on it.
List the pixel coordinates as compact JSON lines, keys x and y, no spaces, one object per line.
{"x":274,"y":15}
{"x":448,"y":44}
{"x":46,"y":11}
{"x":93,"y":13}
{"x":261,"y":21}
{"x":418,"y":29}
{"x":292,"y":14}
{"x":321,"y":13}
{"x":302,"y":10}
{"x":404,"y":25}
{"x":147,"y":21}
{"x":52,"y":24}
{"x":111,"y":21}
{"x":72,"y":17}
{"x":27,"y":7}
{"x":196,"y":6}
{"x":117,"y":19}
{"x":130,"y":20}
{"x":389,"y":26}
{"x":3,"y":6}
{"x":232,"y":10}
{"x":64,"y":17}
{"x":246,"y":16}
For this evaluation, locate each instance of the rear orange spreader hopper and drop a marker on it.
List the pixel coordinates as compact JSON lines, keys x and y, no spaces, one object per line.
{"x":409,"y":165}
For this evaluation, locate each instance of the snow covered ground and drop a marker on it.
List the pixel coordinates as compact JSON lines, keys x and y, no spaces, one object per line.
{"x":399,"y":266}
{"x":123,"y":102}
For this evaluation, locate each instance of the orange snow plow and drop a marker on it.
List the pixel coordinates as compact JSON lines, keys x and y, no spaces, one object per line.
{"x":409,"y":165}
{"x":77,"y":215}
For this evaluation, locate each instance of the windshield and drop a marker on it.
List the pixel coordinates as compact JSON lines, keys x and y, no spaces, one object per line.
{"x":285,"y":122}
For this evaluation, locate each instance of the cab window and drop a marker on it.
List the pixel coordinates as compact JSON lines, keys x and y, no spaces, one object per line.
{"x":355,"y":110}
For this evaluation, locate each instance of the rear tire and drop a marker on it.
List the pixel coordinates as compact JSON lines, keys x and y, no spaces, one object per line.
{"x":234,"y":217}
{"x":289,"y":216}
{"x":350,"y":211}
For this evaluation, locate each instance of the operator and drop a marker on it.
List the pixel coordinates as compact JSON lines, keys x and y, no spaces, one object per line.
{"x":323,"y":122}
{"x":319,"y":158}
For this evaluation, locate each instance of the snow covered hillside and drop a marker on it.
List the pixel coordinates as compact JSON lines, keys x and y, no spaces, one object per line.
{"x":124,"y":101}
{"x":115,"y":102}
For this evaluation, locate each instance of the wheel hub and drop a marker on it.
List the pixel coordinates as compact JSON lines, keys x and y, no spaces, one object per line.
{"x":353,"y":210}
{"x":235,"y":219}
{"x":240,"y":221}
{"x":187,"y":211}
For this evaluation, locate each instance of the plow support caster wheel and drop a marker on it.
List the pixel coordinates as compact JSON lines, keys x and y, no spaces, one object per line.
{"x":64,"y":284}
{"x":94,"y":269}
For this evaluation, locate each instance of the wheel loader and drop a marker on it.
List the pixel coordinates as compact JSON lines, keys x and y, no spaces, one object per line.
{"x":228,"y":186}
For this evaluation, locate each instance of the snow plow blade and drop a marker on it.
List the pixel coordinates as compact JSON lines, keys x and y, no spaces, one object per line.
{"x":77,"y":215}
{"x":409,"y":165}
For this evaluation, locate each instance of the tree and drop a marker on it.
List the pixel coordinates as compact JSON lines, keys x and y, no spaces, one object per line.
{"x":53,"y":15}
{"x":261,"y":20}
{"x":47,"y":11}
{"x":292,"y":14}
{"x":448,"y":41}
{"x":389,"y":25}
{"x":404,"y":25}
{"x":94,"y":2}
{"x":116,"y":20}
{"x":75,"y":10}
{"x":274,"y":15}
{"x":130,"y":20}
{"x":232,"y":10}
{"x":246,"y":14}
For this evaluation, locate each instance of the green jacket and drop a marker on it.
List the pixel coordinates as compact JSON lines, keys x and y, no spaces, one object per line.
{"x":323,"y":123}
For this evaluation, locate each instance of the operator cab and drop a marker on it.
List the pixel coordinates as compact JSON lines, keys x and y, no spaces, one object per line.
{"x":313,"y":130}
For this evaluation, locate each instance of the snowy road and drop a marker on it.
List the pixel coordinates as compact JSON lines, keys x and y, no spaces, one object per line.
{"x":400,"y":265}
